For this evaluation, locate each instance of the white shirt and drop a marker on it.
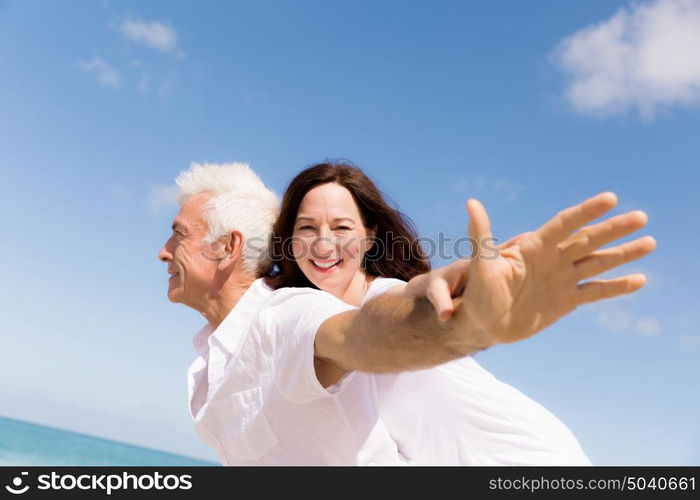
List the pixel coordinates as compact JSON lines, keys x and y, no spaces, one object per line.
{"x":459,"y":413}
{"x":255,"y":398}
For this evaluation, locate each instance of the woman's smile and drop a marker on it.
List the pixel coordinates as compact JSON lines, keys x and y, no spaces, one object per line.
{"x":325,"y":266}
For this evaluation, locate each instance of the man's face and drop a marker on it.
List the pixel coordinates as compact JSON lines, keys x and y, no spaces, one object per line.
{"x":192,"y":274}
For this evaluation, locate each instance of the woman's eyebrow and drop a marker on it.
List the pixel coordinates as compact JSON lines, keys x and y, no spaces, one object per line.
{"x":338,"y":219}
{"x":304,"y":217}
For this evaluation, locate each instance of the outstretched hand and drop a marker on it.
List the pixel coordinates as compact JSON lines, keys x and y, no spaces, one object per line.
{"x":535,"y":278}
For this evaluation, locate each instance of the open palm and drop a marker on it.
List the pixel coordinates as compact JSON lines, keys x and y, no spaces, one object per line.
{"x":535,"y":278}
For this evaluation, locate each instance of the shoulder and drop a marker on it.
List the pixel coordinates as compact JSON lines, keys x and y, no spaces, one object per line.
{"x":297,"y":296}
{"x":381,"y":285}
{"x":298,"y":308}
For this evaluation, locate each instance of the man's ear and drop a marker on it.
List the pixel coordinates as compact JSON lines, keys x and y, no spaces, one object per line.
{"x":233,"y":246}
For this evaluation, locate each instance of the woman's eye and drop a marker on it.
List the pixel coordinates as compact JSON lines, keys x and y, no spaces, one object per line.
{"x":305,"y":228}
{"x":342,"y":228}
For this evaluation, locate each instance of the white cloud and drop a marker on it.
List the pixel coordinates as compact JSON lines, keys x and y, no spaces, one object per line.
{"x":614,"y":319}
{"x":162,"y":198}
{"x":144,"y":84}
{"x":644,"y":57}
{"x":479,"y":185}
{"x":690,"y":340}
{"x":508,"y":189}
{"x":105,"y":74}
{"x":154,"y":34}
{"x":168,"y":85}
{"x":648,"y":327}
{"x":618,"y":319}
{"x":460,"y":186}
{"x":122,"y":193}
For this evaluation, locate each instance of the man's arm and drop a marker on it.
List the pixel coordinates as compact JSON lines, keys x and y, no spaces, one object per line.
{"x":530,"y":283}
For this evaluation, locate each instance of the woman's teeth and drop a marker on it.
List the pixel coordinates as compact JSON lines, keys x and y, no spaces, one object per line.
{"x":325,"y":265}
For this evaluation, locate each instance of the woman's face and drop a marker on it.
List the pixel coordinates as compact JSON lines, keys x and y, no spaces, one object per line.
{"x":330,"y":240}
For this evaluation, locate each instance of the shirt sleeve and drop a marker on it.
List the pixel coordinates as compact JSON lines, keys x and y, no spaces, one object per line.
{"x":292,"y":320}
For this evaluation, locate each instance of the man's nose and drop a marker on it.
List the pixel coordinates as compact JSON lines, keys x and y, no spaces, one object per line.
{"x":164,"y":255}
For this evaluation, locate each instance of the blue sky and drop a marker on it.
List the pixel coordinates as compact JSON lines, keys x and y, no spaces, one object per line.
{"x":530,"y":107}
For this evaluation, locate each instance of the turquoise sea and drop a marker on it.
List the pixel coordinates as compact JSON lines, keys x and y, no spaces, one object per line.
{"x":24,"y":443}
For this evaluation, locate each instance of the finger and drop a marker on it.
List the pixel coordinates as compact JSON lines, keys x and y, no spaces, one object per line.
{"x":590,"y":238}
{"x":593,"y":291}
{"x":438,"y":294}
{"x":457,"y":276}
{"x":479,"y":225}
{"x":567,"y":221}
{"x":610,"y":258}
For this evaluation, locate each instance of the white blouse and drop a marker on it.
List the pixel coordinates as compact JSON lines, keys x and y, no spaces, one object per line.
{"x":459,"y":413}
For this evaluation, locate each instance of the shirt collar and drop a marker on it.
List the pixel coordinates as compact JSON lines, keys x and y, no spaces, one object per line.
{"x":199,"y":341}
{"x":242,"y":314}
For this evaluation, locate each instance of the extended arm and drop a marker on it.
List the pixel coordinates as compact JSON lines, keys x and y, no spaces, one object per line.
{"x":393,"y":333}
{"x":530,"y":283}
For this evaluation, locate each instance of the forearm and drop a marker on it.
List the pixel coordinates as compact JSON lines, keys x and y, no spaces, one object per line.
{"x":394,"y":333}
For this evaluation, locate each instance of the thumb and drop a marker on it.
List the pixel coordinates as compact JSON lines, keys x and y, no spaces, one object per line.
{"x":479,"y":225}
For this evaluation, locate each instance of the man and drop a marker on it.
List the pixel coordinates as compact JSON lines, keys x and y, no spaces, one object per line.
{"x":254,"y":389}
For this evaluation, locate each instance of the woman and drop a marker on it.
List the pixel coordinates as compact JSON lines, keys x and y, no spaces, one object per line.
{"x":336,"y":233}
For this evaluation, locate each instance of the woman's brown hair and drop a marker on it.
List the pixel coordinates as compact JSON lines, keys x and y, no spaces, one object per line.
{"x":395,"y":252}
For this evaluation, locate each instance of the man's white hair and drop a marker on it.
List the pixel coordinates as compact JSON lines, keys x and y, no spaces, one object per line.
{"x":239,"y":201}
